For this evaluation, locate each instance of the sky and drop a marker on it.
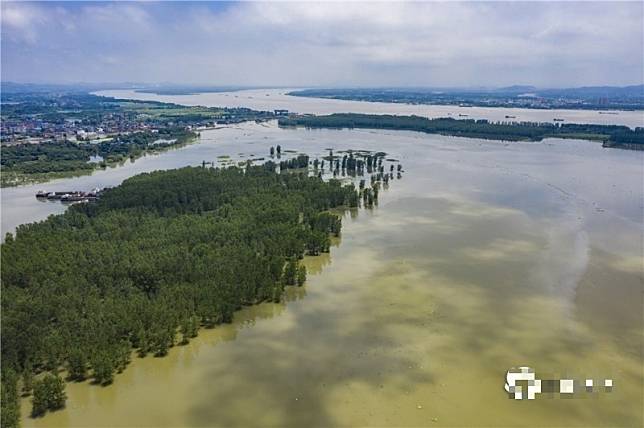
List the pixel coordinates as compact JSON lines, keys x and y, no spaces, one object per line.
{"x":446,"y":44}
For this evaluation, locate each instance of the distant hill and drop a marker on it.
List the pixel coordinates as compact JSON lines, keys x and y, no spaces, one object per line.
{"x":634,"y":91}
{"x":517,"y":89}
{"x":160,"y":89}
{"x":15,"y":88}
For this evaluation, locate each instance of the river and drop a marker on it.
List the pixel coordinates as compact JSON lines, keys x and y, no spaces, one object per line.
{"x":484,"y":256}
{"x":271,"y":99}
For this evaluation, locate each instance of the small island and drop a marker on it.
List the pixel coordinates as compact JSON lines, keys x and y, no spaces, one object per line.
{"x":609,"y":135}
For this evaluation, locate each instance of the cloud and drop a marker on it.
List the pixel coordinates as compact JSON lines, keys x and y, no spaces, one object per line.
{"x":309,"y":43}
{"x":19,"y":22}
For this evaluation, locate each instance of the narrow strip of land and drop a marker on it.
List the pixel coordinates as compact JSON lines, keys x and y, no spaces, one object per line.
{"x":609,"y":135}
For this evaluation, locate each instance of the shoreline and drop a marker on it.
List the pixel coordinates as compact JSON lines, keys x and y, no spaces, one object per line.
{"x":45,"y":177}
{"x":270,"y":99}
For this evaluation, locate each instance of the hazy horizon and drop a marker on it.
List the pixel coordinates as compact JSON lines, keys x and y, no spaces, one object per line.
{"x":151,"y":85}
{"x":305,"y":44}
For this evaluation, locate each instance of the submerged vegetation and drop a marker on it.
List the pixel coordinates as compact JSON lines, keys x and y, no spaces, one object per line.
{"x":151,"y":262}
{"x":610,"y":135}
{"x":48,"y":394}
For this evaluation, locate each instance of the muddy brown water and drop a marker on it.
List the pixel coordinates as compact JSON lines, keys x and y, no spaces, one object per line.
{"x":484,"y":256}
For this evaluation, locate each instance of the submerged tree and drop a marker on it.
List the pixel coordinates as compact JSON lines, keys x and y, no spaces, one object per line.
{"x":103,"y":368}
{"x":77,"y":365}
{"x":301,"y":275}
{"x":290,"y":272}
{"x":189,"y":329}
{"x":49,"y":394}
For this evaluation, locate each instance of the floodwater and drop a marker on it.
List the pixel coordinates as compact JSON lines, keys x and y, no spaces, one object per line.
{"x":484,"y":256}
{"x":270,"y":99}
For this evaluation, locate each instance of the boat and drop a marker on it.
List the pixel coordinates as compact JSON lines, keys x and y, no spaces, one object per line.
{"x":77,"y":198}
{"x":55,"y":195}
{"x":510,"y":117}
{"x":557,"y":120}
{"x":71,"y":196}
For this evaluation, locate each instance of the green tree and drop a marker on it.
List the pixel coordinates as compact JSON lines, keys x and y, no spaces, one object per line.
{"x":162,"y":340}
{"x":57,"y":395}
{"x":189,"y":329}
{"x":103,"y":368}
{"x":123,"y":353}
{"x":40,"y":399}
{"x":9,"y":407}
{"x":27,"y":379}
{"x":77,"y":364}
{"x":301,"y":275}
{"x":49,"y":394}
{"x":290,"y":272}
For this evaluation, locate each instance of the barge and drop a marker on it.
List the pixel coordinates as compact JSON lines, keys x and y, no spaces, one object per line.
{"x":70,"y":196}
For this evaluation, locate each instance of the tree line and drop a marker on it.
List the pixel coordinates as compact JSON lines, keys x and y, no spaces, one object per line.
{"x":66,"y":156}
{"x":611,"y":135}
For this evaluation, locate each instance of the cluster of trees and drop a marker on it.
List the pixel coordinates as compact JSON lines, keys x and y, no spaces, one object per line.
{"x":66,"y":156}
{"x":353,"y":165}
{"x":48,"y":394}
{"x":9,"y":396}
{"x":55,"y":107}
{"x":277,"y":149}
{"x":613,"y":135}
{"x":298,"y":162}
{"x":149,"y":263}
{"x":347,"y":164}
{"x":134,"y":144}
{"x":46,"y":157}
{"x":61,"y":104}
{"x":356,"y":165}
{"x":370,"y":196}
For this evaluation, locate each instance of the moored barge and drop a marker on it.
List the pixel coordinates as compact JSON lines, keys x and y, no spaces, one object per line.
{"x":70,"y":196}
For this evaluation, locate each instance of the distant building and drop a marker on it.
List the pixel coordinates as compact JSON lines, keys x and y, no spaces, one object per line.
{"x":280,"y":112}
